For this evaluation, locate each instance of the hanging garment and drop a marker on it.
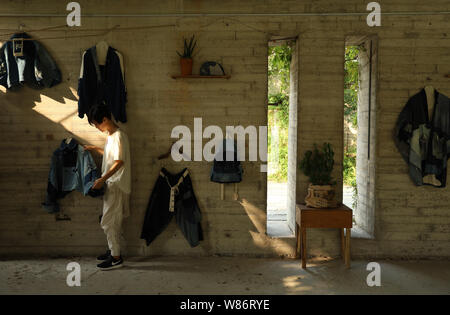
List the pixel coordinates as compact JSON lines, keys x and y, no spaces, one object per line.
{"x":102,"y":84}
{"x":424,"y":141}
{"x":71,"y":168}
{"x":226,"y":167}
{"x":173,"y":195}
{"x":27,"y":61}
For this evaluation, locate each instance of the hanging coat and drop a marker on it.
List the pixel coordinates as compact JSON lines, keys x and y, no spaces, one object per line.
{"x":173,"y":195}
{"x":35,"y":67}
{"x":71,"y":168}
{"x":423,"y":141}
{"x":102,"y":84}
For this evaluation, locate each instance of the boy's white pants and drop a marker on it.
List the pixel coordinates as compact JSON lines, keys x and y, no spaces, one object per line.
{"x":115,"y":209}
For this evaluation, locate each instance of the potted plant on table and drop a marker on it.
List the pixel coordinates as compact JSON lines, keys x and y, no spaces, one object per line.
{"x":186,"y":57}
{"x":318,"y":165}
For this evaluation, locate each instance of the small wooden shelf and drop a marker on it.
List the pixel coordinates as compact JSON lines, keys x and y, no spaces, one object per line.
{"x":197,"y":76}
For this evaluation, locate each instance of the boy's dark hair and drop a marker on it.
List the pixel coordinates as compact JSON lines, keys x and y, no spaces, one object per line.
{"x":97,"y":113}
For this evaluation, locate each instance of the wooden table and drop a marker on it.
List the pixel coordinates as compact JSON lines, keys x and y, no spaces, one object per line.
{"x":307,"y":217}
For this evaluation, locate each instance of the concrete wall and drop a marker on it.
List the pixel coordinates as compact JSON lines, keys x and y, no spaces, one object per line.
{"x":409,"y":221}
{"x":366,"y":142}
{"x":292,"y":139}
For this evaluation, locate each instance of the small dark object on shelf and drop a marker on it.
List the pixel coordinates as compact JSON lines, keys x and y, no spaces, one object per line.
{"x":211,"y":68}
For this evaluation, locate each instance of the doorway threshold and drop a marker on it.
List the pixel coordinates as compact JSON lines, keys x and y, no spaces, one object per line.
{"x":279,"y":229}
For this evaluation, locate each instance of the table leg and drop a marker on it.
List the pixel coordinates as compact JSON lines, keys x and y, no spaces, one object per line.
{"x":303,"y":244}
{"x":342,"y":244}
{"x":347,"y":247}
{"x":297,"y":234}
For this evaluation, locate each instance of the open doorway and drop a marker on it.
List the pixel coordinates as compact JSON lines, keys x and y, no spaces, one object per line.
{"x":359,"y":132}
{"x":282,"y":136}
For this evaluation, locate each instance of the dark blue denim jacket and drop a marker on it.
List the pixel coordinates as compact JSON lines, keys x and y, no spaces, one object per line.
{"x":72,"y":168}
{"x":36,"y":67}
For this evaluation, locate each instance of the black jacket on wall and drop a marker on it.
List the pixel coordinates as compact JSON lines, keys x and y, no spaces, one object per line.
{"x":36,"y":67}
{"x":102,"y":84}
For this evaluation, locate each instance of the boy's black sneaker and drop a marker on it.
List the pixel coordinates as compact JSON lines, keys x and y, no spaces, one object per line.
{"x":105,"y":256}
{"x":111,"y":263}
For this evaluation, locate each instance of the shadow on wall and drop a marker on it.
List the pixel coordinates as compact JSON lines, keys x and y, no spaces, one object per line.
{"x":33,"y":124}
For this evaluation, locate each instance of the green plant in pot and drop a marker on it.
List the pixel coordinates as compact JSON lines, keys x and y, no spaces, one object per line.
{"x":186,"y":57}
{"x":318,"y":165}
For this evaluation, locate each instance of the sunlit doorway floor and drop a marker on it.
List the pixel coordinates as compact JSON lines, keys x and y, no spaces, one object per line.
{"x":277,"y":225}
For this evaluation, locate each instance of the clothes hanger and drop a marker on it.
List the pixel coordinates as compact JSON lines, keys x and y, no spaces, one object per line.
{"x":20,"y":31}
{"x":168,"y":153}
{"x":429,"y":93}
{"x":69,"y":138}
{"x":102,"y":51}
{"x":18,"y":43}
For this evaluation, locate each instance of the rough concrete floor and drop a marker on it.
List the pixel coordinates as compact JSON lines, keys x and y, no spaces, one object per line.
{"x":223,"y":275}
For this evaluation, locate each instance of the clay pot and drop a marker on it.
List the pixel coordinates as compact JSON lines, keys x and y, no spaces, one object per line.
{"x":321,"y":196}
{"x":186,"y":66}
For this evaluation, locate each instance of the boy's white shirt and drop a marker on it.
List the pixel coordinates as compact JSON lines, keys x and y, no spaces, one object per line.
{"x":117,"y":147}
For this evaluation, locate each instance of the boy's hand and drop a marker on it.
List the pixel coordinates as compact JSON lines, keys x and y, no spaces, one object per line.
{"x":92,"y":148}
{"x":98,"y":184}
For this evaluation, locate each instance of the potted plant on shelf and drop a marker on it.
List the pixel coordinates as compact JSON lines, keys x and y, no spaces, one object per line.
{"x":318,"y":165}
{"x":186,"y":57}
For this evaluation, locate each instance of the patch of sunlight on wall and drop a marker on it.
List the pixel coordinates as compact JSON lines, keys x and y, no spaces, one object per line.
{"x":63,"y":114}
{"x":66,"y":114}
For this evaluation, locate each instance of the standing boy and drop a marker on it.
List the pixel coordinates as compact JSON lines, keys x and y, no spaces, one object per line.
{"x":116,"y":174}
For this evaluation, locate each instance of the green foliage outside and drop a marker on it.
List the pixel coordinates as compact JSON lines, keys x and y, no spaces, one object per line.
{"x":278,"y":145}
{"x":279,"y":65}
{"x":278,"y":115}
{"x":351,"y":87}
{"x":351,"y":84}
